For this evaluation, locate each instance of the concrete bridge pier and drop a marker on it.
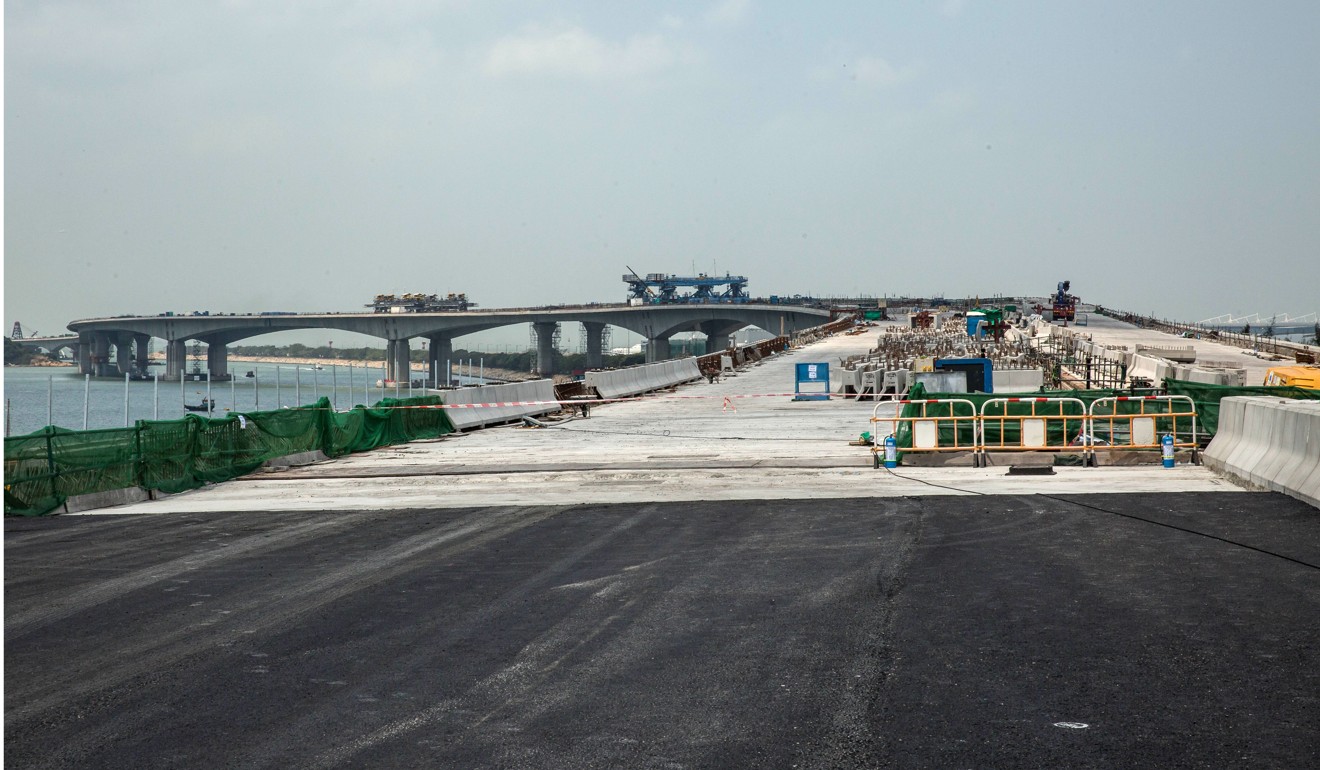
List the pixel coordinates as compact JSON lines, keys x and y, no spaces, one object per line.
{"x":545,"y":347}
{"x":85,"y":353}
{"x":595,"y":335}
{"x":657,"y":349}
{"x":398,"y":360}
{"x":217,"y":361}
{"x":719,"y":335}
{"x":442,"y":352}
{"x":123,"y":354}
{"x":141,"y":344}
{"x":176,"y":358}
{"x":101,"y":354}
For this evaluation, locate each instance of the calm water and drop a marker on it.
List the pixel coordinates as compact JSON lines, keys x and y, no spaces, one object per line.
{"x":26,"y":390}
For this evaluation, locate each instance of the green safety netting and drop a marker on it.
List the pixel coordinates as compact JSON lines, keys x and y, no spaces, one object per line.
{"x":45,"y":468}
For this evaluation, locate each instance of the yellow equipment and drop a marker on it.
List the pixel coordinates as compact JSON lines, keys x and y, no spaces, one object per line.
{"x":1297,"y":376}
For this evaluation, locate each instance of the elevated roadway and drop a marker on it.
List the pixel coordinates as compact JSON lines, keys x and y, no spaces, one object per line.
{"x":52,"y":344}
{"x":129,"y":335}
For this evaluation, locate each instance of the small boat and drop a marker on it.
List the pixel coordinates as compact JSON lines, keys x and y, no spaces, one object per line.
{"x":205,"y":406}
{"x":250,"y":374}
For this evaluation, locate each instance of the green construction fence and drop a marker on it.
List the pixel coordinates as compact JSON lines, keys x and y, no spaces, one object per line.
{"x":46,"y":468}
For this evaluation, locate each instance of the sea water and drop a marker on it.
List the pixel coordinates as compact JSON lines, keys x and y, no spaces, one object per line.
{"x":31,"y":392}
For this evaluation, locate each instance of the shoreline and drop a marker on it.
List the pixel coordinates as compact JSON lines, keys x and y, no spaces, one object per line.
{"x":502,"y":375}
{"x":494,"y":375}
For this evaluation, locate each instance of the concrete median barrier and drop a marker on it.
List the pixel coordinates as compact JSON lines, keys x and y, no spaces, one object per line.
{"x":1269,"y":443}
{"x":480,"y":417}
{"x":621,"y":383}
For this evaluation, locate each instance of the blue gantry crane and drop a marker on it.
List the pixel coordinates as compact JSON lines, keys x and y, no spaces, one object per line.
{"x":663,"y":289}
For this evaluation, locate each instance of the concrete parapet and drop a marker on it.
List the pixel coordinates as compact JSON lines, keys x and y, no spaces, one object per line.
{"x":106,"y":499}
{"x":1183,"y":354}
{"x":621,"y":383}
{"x":1235,"y":377}
{"x":1018,"y":380}
{"x":1269,"y":443}
{"x":479,"y":417}
{"x":298,"y":458}
{"x":1150,"y":367}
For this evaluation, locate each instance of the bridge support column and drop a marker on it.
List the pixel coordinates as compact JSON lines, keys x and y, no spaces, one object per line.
{"x":123,"y":354}
{"x":176,"y":359}
{"x":545,"y":347}
{"x":398,"y":361}
{"x":101,"y":354}
{"x":657,"y":349}
{"x":595,"y":332}
{"x":442,"y":352}
{"x":217,"y":361}
{"x":84,"y":352}
{"x":719,"y":336}
{"x":141,"y":343}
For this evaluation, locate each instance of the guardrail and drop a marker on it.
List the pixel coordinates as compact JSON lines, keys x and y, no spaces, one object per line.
{"x":1039,"y":424}
{"x":1142,"y":425}
{"x":961,"y":432}
{"x":1052,"y":424}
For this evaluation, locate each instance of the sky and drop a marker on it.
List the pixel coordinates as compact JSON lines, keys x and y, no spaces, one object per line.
{"x":306,"y":155}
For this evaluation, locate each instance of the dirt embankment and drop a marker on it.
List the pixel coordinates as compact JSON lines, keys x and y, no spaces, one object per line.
{"x":43,"y":362}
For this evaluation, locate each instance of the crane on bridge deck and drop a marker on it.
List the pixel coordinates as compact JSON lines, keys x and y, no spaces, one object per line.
{"x":662,"y":289}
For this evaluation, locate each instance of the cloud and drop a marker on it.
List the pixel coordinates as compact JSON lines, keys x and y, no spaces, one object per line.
{"x":874,"y":72}
{"x":840,"y":66}
{"x":241,"y":136}
{"x":87,"y":36}
{"x":957,"y":102}
{"x":567,"y":51}
{"x":952,"y":8}
{"x":728,"y":12}
{"x":385,"y":65}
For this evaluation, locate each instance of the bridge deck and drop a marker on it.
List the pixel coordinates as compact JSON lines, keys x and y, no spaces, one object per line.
{"x":682,"y":586}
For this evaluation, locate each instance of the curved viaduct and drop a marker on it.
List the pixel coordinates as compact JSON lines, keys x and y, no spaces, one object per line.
{"x":129,"y":335}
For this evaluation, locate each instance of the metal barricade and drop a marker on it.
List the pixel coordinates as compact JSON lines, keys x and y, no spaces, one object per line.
{"x":1141,"y":422}
{"x":1043,"y":424}
{"x":943,"y":425}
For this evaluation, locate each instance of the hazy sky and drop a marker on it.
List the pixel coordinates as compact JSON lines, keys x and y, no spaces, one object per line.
{"x":254,"y":155}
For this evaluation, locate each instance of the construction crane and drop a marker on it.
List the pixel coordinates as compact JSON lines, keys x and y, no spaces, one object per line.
{"x":662,"y":289}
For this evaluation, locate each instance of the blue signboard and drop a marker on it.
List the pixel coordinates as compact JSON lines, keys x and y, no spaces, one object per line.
{"x":817,"y":379}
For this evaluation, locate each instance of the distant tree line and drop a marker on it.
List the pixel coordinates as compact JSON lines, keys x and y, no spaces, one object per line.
{"x":21,"y":355}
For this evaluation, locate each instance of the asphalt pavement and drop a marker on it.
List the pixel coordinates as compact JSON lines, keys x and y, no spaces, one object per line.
{"x":1098,"y":630}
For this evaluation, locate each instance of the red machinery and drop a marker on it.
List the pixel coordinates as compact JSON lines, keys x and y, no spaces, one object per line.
{"x":1064,"y":307}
